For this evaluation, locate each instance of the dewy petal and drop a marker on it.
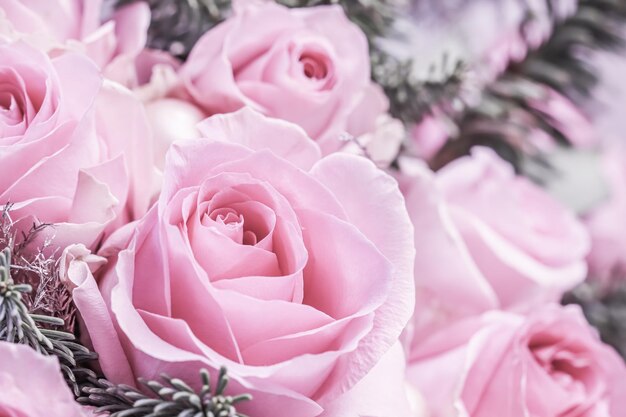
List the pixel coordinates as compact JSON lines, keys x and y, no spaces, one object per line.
{"x":255,"y":131}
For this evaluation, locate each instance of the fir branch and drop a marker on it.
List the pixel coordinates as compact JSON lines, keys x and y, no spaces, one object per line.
{"x":33,"y":262}
{"x":17,"y":325}
{"x":563,"y":62}
{"x":411,"y":98}
{"x":176,"y":25}
{"x":172,"y":398}
{"x":505,"y":115}
{"x":374,"y":17}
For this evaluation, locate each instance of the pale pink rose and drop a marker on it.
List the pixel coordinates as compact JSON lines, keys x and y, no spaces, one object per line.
{"x":72,"y":146}
{"x":31,"y":385}
{"x":550,"y":363}
{"x":59,"y":25}
{"x":373,"y":132}
{"x":293,"y":271}
{"x":607,"y":222}
{"x":310,"y":66}
{"x":487,"y":239}
{"x":428,"y":137}
{"x":529,"y":247}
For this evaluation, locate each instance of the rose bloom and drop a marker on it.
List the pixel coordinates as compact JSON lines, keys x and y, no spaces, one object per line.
{"x":550,"y":363}
{"x":60,"y":25}
{"x":310,"y":66}
{"x":488,"y":239}
{"x":32,"y":385}
{"x":293,"y":271}
{"x":72,"y":146}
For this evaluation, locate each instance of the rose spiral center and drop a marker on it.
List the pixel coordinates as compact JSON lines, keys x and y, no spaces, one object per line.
{"x":314,"y":66}
{"x":234,"y":225}
{"x":10,"y":111}
{"x":562,"y":367}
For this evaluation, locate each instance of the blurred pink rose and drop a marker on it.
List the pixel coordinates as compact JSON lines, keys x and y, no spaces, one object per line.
{"x":373,"y":132}
{"x":448,"y":284}
{"x":58,"y":25}
{"x":72,"y":146}
{"x":293,"y":271}
{"x":428,"y":137}
{"x":310,"y":66}
{"x":607,"y":222}
{"x":487,"y":239}
{"x":528,"y":246}
{"x":32,"y":385}
{"x":550,"y":363}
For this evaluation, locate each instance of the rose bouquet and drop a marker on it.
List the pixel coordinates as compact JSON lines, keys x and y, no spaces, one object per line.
{"x":334,"y":208}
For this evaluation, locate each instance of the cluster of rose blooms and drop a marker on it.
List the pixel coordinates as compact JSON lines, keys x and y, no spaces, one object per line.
{"x":239,"y":209}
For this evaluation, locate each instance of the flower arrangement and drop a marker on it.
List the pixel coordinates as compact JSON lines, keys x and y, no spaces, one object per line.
{"x":312,"y":208}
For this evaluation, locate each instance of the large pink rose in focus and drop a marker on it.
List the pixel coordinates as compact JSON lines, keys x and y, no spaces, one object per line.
{"x":310,"y":66}
{"x":550,"y":363}
{"x":71,"y":146}
{"x":32,"y":385}
{"x":295,"y":272}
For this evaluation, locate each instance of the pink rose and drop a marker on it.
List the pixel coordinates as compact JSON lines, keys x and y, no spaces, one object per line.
{"x":72,"y":146}
{"x":488,"y":239}
{"x":428,"y":137}
{"x":378,"y":137}
{"x":32,"y":385}
{"x":58,"y":25}
{"x":550,"y":363}
{"x":310,"y":66}
{"x":293,"y":271}
{"x":528,"y":246}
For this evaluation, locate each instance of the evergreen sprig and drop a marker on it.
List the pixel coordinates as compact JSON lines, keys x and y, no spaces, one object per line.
{"x":563,"y":62}
{"x":374,"y":17}
{"x":506,"y":116}
{"x":17,"y":325}
{"x":172,"y":398}
{"x":176,"y":25}
{"x":410,"y":97}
